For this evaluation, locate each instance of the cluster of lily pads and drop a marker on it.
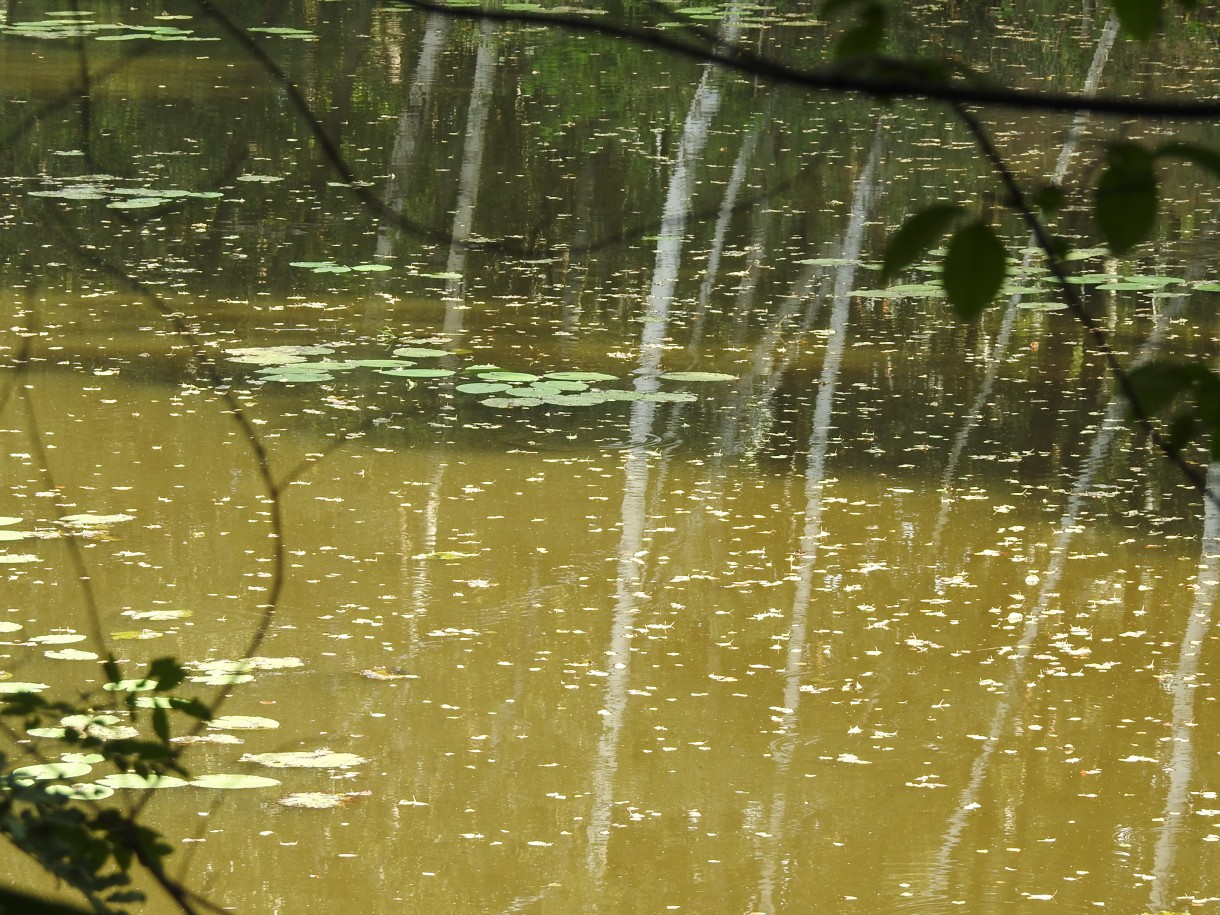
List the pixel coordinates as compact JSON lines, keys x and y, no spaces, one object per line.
{"x":80,"y":524}
{"x":63,"y":776}
{"x":496,"y":386}
{"x":1033,"y":280}
{"x":99,"y":187}
{"x":62,"y":24}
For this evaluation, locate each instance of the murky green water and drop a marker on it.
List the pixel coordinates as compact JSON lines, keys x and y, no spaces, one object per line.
{"x":890,"y":615}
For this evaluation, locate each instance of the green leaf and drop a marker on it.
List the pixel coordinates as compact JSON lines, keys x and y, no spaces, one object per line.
{"x":1127,"y":196}
{"x":917,"y":235}
{"x":975,"y":266}
{"x":1140,"y":18}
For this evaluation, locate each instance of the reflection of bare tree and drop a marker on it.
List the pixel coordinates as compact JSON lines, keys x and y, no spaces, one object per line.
{"x":1000,"y":349}
{"x":704,"y":105}
{"x":863,"y":200}
{"x":1180,"y":763}
{"x":1006,"y":717}
{"x":411,"y":122}
{"x":468,"y":179}
{"x":728,"y":205}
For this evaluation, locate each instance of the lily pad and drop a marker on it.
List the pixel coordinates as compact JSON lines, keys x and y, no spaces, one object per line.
{"x":298,"y":377}
{"x":6,"y":520}
{"x":27,"y":775}
{"x":130,"y":686}
{"x":71,"y":654}
{"x":579,"y":376}
{"x":145,"y":782}
{"x":383,"y":363}
{"x":223,"y":679}
{"x":416,"y":373}
{"x":233,"y":781}
{"x":83,"y":791}
{"x":698,"y":376}
{"x":158,"y":615}
{"x":17,"y":558}
{"x":20,"y":686}
{"x":312,"y":800}
{"x":6,"y":626}
{"x":483,"y":387}
{"x":556,"y":386}
{"x":245,"y":665}
{"x":508,"y":376}
{"x":269,"y":358}
{"x":58,"y":638}
{"x":510,"y":403}
{"x":89,"y":519}
{"x":136,"y":203}
{"x":243,"y":723}
{"x":305,"y":759}
{"x":16,"y":535}
{"x":419,"y":352}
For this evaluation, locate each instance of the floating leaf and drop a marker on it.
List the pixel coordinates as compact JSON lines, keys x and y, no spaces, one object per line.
{"x":27,"y":775}
{"x":49,"y":733}
{"x":58,"y":638}
{"x":482,"y":387}
{"x":16,"y":558}
{"x":242,"y":723}
{"x":88,"y":519}
{"x":419,"y":352}
{"x":508,"y":376}
{"x":245,"y":665}
{"x":19,"y":686}
{"x":81,"y":792}
{"x":6,"y":520}
{"x":312,"y":800}
{"x":136,"y":203}
{"x":71,"y":654}
{"x":579,"y":376}
{"x":128,"y":635}
{"x":260,"y":179}
{"x":298,"y":377}
{"x":416,"y":373}
{"x":305,"y":759}
{"x":227,"y":781}
{"x":16,"y":535}
{"x":383,"y":363}
{"x":130,"y":686}
{"x":223,"y":679}
{"x":10,"y":627}
{"x":143,"y":782}
{"x":511,"y":402}
{"x":158,"y":615}
{"x":371,"y":268}
{"x":218,"y":738}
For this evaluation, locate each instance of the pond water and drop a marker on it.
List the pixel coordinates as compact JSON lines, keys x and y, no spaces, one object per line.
{"x":643,"y":551}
